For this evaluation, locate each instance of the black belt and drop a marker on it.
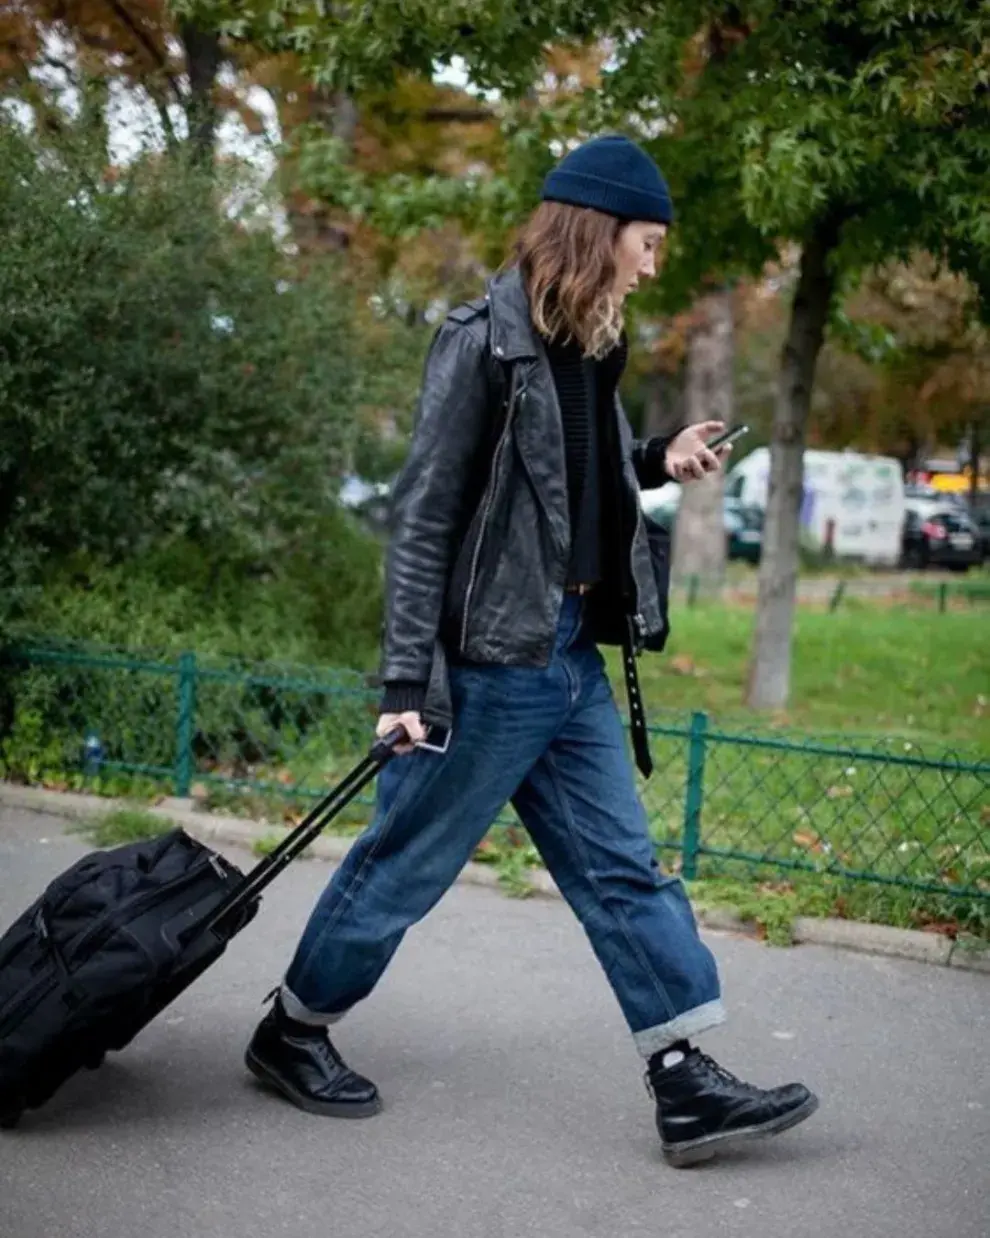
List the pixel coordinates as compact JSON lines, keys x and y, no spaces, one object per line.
{"x":637,"y":715}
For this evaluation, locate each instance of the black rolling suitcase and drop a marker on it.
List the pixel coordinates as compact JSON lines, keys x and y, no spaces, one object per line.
{"x":118,"y":936}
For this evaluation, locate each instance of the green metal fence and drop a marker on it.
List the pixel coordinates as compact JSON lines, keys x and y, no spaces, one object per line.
{"x":723,"y":800}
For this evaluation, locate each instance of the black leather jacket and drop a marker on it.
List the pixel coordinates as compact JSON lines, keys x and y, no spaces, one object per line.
{"x":480,"y":538}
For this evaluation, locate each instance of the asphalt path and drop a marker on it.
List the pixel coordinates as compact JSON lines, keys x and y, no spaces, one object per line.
{"x":514,"y":1103}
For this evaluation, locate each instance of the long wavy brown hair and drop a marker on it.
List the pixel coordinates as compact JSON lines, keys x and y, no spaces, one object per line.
{"x":567,"y":258}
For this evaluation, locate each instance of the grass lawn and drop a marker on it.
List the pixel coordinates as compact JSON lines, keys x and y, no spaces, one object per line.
{"x":890,"y":681}
{"x":865,"y":669}
{"x":890,"y":684}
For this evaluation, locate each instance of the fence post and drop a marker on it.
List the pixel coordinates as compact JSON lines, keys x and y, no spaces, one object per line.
{"x":943,"y":593}
{"x":694,"y":796}
{"x":840,"y":589}
{"x":693,"y":583}
{"x":185,"y":724}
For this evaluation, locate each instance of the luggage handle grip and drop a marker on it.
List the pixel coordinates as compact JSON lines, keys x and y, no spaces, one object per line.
{"x":384,"y":749}
{"x":309,"y":828}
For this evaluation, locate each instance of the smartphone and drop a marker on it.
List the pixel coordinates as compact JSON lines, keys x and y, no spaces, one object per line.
{"x":726,"y":437}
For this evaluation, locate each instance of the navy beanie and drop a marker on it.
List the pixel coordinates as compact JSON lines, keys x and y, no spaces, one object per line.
{"x":612,"y":175}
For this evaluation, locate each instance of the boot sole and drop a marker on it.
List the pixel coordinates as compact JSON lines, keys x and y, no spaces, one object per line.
{"x":695,"y":1151}
{"x":323,"y":1108}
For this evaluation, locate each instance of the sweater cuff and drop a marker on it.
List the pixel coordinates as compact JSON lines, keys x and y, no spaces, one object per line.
{"x":656,"y":457}
{"x":403,"y":696}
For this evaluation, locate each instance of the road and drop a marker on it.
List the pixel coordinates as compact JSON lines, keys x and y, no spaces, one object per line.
{"x":514,"y":1102}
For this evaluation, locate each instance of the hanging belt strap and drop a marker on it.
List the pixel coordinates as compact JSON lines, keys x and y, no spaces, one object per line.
{"x":637,"y":716}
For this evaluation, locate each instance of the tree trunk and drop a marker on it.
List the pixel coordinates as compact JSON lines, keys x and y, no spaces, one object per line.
{"x":94,"y":93}
{"x":202,"y":49}
{"x":770,"y":663}
{"x":699,"y":534}
{"x":344,"y":120}
{"x":316,"y":227}
{"x":975,"y":450}
{"x":664,"y":412}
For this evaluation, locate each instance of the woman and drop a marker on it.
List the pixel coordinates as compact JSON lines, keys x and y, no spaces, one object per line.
{"x":518,"y":546}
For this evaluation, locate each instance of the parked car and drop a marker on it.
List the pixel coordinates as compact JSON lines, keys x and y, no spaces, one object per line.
{"x":945,"y":536}
{"x":980,"y":513}
{"x":852,"y":504}
{"x":743,"y":524}
{"x":743,"y":530}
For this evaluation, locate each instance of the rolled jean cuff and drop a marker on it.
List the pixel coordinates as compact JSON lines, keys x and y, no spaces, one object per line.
{"x":294,"y":1008}
{"x":691,"y":1023}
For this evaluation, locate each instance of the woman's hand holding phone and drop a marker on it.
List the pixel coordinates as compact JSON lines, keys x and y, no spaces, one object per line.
{"x":700,"y":450}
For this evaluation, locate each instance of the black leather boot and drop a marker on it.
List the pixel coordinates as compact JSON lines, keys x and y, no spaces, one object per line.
{"x":302,"y":1064}
{"x":702,"y":1109}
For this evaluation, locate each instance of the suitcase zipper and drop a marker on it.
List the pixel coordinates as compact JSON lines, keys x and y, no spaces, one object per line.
{"x":41,"y":987}
{"x":32,"y":994}
{"x":142,"y":902}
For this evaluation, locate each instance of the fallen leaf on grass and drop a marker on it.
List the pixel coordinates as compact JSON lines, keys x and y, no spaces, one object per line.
{"x":941,"y":928}
{"x":838,"y":793}
{"x":683,"y":664}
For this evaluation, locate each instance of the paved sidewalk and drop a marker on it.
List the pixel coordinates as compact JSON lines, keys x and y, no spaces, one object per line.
{"x":514,"y":1105}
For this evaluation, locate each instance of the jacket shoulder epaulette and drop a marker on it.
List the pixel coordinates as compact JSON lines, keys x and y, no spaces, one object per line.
{"x":469,"y":311}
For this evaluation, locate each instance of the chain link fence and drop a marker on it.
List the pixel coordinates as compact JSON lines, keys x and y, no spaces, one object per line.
{"x":836,"y":593}
{"x":264,"y":740}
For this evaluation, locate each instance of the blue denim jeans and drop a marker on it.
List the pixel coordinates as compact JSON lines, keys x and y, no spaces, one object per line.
{"x":550,"y":740}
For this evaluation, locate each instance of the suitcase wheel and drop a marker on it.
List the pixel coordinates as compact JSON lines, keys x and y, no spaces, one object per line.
{"x":9,"y":1119}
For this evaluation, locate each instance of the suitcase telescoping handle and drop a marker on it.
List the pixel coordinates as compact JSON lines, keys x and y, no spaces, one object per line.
{"x":312,"y":825}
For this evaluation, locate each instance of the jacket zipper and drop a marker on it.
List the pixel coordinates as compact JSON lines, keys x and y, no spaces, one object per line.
{"x":635,"y":616}
{"x":541,"y":501}
{"x":487,"y":508}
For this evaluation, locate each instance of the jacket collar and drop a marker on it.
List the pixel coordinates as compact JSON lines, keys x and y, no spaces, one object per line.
{"x":512,"y":333}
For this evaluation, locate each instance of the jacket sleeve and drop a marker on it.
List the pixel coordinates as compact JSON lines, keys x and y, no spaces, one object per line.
{"x":431,"y":498}
{"x":648,"y":461}
{"x":648,"y":455}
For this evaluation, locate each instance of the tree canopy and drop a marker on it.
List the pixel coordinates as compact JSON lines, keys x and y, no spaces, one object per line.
{"x":820,"y":152}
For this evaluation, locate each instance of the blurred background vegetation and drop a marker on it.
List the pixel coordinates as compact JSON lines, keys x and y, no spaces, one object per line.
{"x":229,"y":230}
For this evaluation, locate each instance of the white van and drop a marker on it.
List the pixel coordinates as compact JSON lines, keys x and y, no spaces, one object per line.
{"x":853,"y":502}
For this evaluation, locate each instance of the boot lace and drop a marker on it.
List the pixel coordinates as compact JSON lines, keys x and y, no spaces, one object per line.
{"x":713,"y":1068}
{"x":727,"y":1077}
